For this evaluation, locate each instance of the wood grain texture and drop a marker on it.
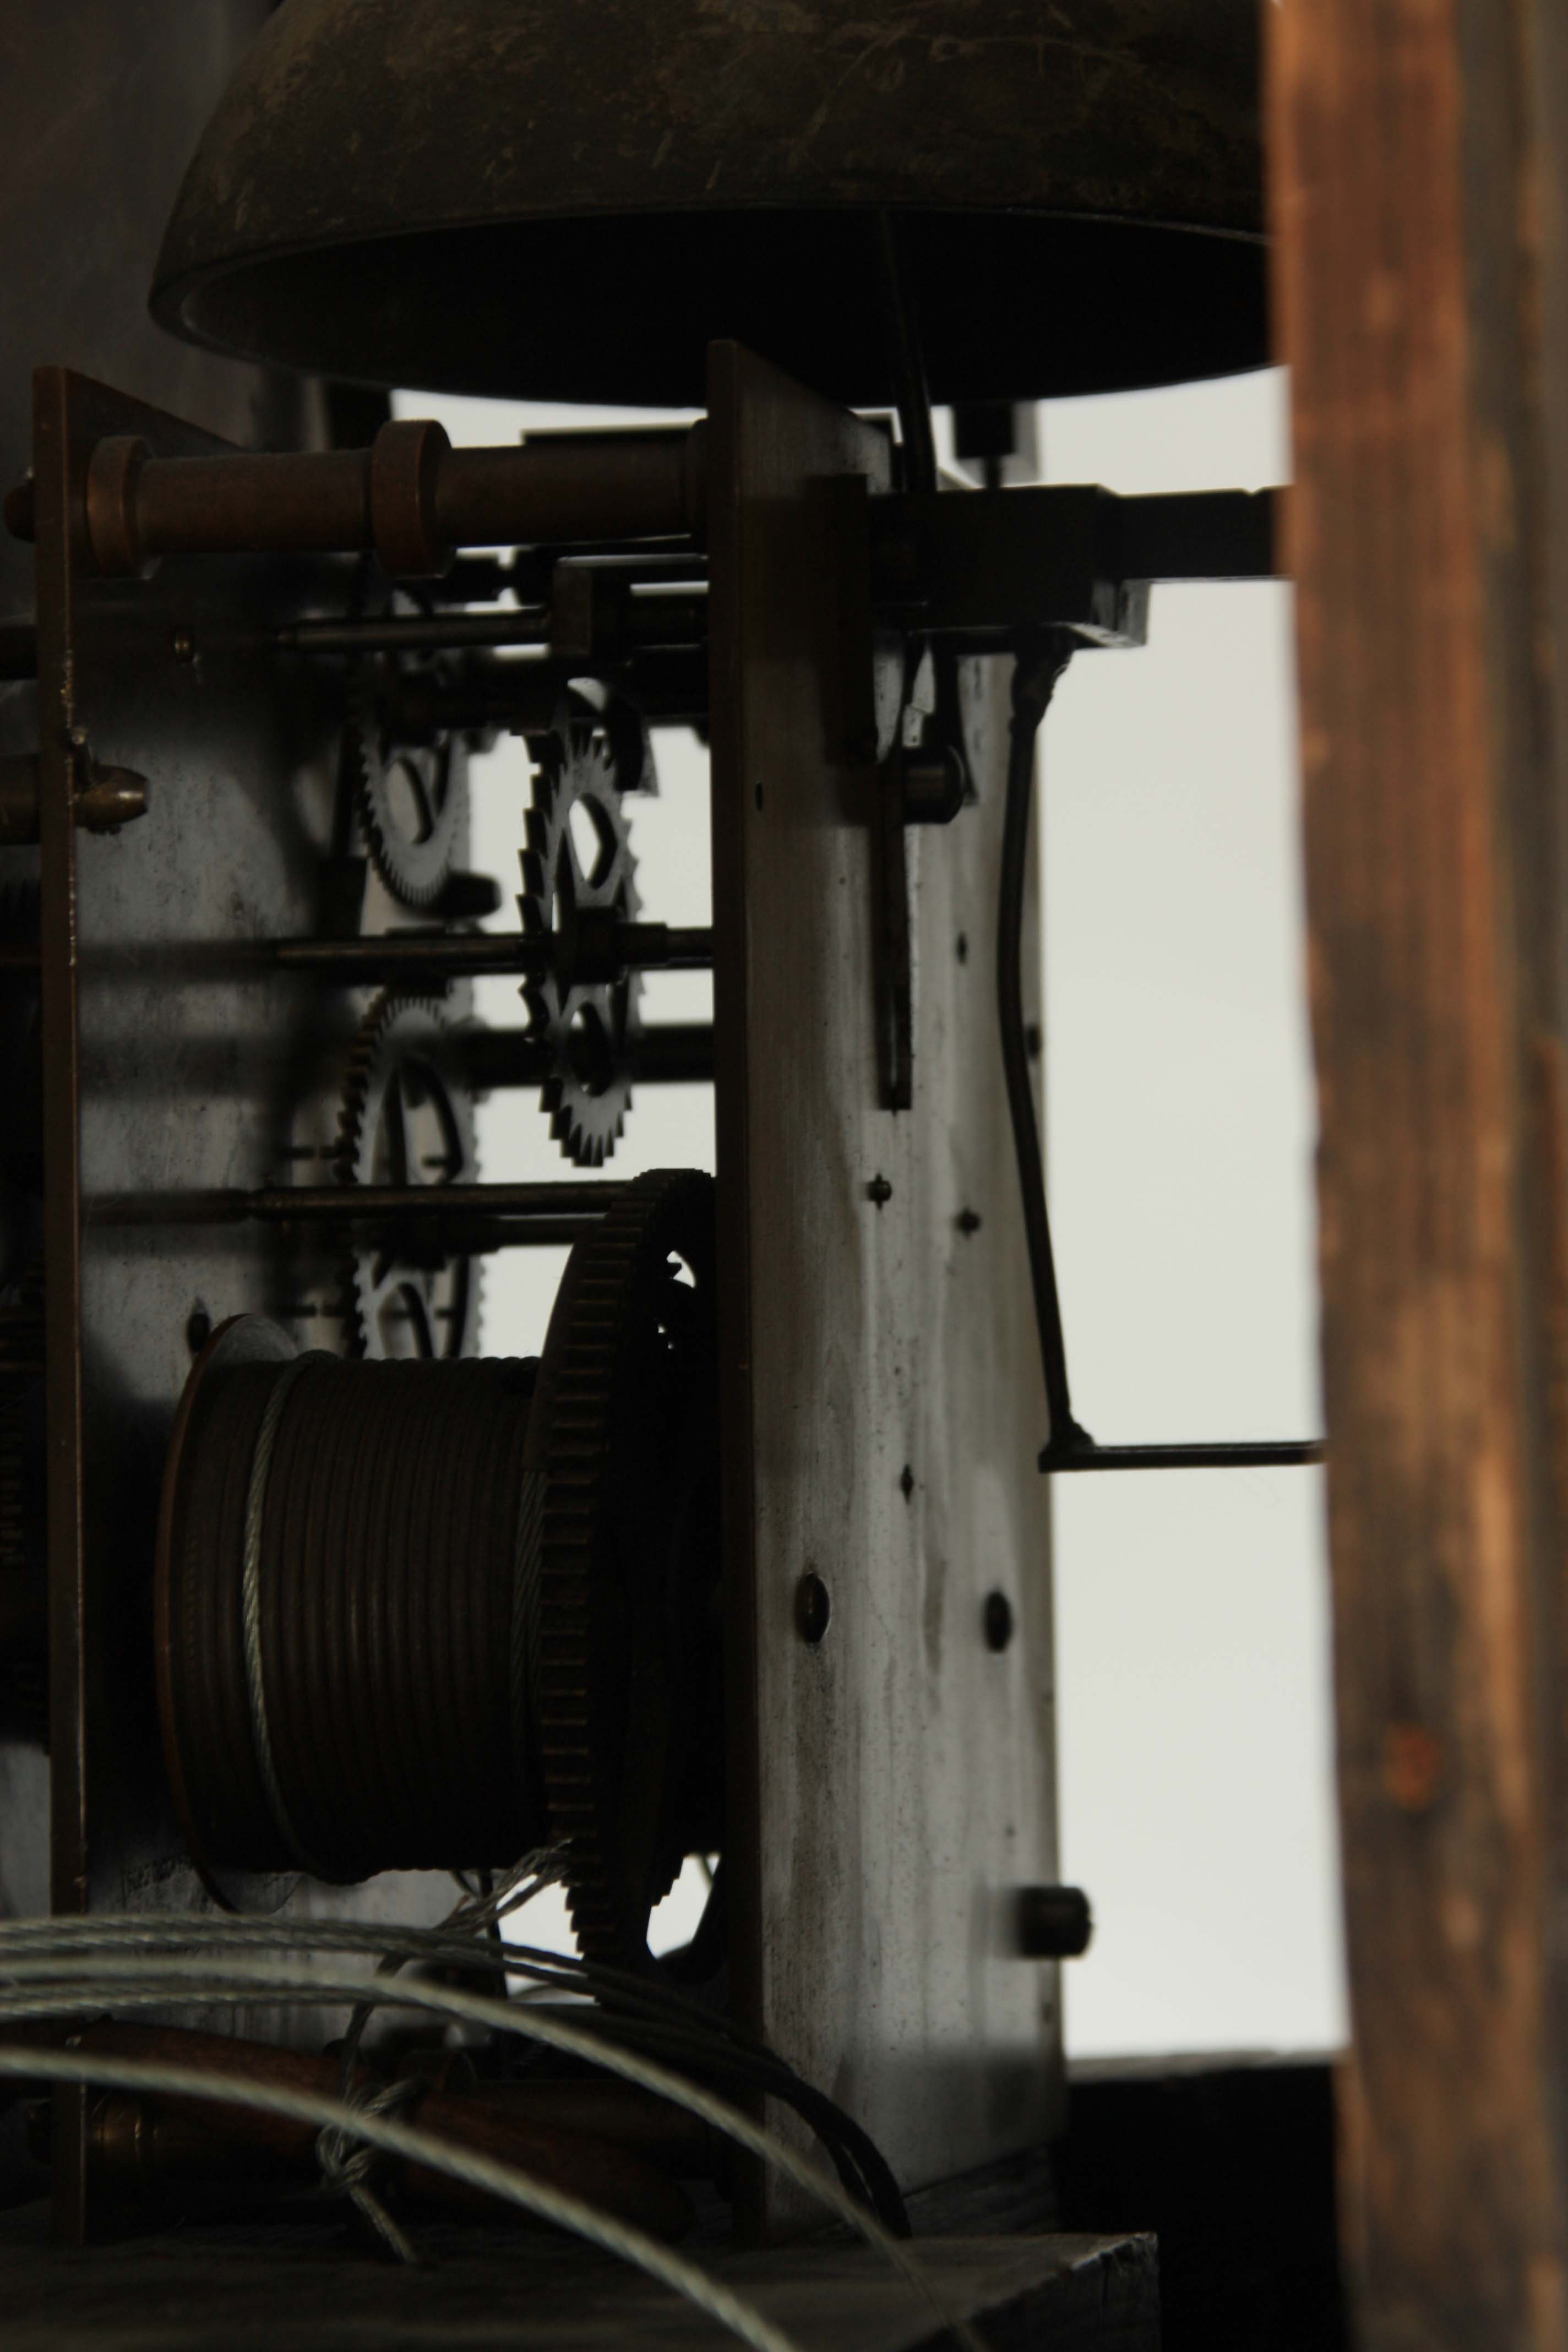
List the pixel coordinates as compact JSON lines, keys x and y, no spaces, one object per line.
{"x":881,"y":1392}
{"x":529,"y":2291}
{"x":1418,"y":193}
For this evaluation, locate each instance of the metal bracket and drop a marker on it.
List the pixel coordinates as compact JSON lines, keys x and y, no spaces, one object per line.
{"x":935,"y":573}
{"x":982,"y":565}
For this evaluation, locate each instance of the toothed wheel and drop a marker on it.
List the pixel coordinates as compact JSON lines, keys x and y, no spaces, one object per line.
{"x":411,"y":798}
{"x":623,"y":1447}
{"x":406,"y":1118}
{"x":578,"y":861}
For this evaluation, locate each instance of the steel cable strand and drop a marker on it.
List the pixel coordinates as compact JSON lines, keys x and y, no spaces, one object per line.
{"x":66,"y":1993}
{"x":505,"y":2181}
{"x":736,"y":2060}
{"x":476,"y":1911}
{"x":859,"y":2163}
{"x":347,"y":2162}
{"x":711,"y":2043}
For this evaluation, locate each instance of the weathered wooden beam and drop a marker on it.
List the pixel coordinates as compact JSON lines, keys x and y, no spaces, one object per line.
{"x":1418,"y":205}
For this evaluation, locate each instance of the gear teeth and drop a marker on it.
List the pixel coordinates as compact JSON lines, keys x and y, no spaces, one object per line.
{"x":606,"y":1296}
{"x":374,"y":1040}
{"x":414,"y":874}
{"x":572,"y":765}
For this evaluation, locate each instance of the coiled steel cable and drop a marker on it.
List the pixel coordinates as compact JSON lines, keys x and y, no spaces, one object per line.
{"x":348,"y":1580}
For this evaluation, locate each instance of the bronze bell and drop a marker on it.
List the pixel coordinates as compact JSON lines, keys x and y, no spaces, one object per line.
{"x":568,"y":201}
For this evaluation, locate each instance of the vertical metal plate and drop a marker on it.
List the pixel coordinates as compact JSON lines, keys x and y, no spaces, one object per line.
{"x":178,"y":1065}
{"x":893,"y":1786}
{"x":102,"y":102}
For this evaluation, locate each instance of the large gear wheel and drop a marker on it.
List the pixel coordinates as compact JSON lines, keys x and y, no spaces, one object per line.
{"x":406,"y":1119}
{"x":621,"y":1557}
{"x":411,"y":799}
{"x":577,"y":860}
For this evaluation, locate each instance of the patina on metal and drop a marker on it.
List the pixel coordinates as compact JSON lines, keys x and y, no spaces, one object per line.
{"x":572,"y":203}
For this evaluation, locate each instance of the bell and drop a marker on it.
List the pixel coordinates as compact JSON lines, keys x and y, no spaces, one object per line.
{"x":569,"y":201}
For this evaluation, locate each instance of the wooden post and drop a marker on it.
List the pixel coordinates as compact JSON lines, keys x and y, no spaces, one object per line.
{"x":1417,"y":156}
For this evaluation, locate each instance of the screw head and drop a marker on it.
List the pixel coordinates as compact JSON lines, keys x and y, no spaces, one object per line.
{"x":997,"y":1618}
{"x":878,"y":1190}
{"x":812,"y":1608}
{"x":1053,"y":1923}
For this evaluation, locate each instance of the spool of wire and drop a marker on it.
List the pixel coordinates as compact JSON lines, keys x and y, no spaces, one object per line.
{"x":418,"y":1613}
{"x":343,"y":1578}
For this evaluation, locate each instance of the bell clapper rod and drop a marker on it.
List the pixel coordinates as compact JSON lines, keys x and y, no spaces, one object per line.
{"x":1041,"y":658}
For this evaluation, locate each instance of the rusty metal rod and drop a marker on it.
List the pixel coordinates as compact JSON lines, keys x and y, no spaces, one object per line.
{"x":411,"y":497}
{"x":139,"y":2144}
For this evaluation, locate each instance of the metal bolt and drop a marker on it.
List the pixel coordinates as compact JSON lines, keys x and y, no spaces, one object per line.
{"x":967,"y":1220}
{"x":198,"y":1328}
{"x":1054,"y":1923}
{"x":998,"y":1618}
{"x":812,"y":1608}
{"x":878,"y":1190}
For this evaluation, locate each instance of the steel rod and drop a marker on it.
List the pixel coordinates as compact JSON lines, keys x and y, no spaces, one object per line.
{"x":666,"y":1053}
{"x":420,"y":955}
{"x":1040,"y":664}
{"x":661,"y":622}
{"x":669,"y":687}
{"x":384,"y":1204}
{"x":1245,"y":1453}
{"x":530,"y":626}
{"x":435,"y":955}
{"x":568,"y":1202}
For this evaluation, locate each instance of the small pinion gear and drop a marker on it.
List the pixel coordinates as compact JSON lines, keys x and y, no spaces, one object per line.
{"x":411,"y":799}
{"x":621,"y":1557}
{"x":405,"y":1118}
{"x":577,"y":861}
